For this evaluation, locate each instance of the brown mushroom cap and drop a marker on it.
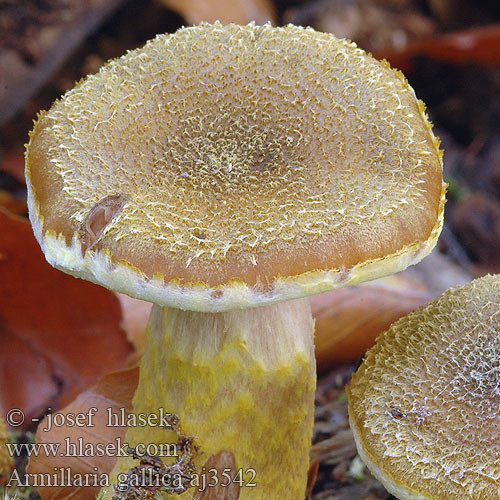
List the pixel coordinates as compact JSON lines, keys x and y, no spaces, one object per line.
{"x":425,"y":404}
{"x":231,"y":166}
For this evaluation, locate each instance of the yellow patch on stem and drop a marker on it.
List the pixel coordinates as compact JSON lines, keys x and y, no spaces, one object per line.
{"x":240,"y":381}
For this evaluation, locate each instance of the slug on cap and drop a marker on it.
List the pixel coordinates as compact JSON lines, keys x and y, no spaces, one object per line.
{"x":424,"y":406}
{"x":222,"y":168}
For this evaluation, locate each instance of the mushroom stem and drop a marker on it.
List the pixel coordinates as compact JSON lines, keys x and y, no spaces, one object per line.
{"x":241,"y":382}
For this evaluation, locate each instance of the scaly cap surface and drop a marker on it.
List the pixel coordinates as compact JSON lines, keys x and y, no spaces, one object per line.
{"x":225,"y":167}
{"x":425,"y":404}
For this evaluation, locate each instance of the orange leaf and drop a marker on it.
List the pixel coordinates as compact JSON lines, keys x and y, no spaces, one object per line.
{"x":478,"y":45}
{"x":349,"y":319}
{"x":58,"y":334}
{"x":11,"y":204}
{"x":233,"y":11}
{"x":6,"y":462}
{"x":113,"y":391}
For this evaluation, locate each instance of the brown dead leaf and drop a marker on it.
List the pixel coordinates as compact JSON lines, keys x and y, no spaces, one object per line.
{"x":114,"y":391}
{"x":11,"y":204}
{"x":58,"y":334}
{"x":6,"y":461}
{"x":135,"y":314}
{"x":311,"y":478}
{"x":225,"y":11}
{"x":349,"y":319}
{"x":478,"y":45}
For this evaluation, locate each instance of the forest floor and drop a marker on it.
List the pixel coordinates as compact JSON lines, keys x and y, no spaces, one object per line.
{"x":445,"y":47}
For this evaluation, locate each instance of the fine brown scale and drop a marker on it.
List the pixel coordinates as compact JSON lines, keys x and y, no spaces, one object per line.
{"x":263,"y":152}
{"x":424,"y":405}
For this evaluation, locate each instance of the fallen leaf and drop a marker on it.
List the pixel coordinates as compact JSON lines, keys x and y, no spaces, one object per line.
{"x":6,"y":462}
{"x":135,"y":314}
{"x":11,"y":204}
{"x":479,"y":45}
{"x":349,"y":319}
{"x":311,"y":477}
{"x":58,"y":334}
{"x":112,"y":393}
{"x":232,"y":11}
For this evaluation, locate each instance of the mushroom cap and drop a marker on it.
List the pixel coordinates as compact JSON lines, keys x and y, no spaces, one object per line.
{"x":225,"y":167}
{"x":425,"y":404}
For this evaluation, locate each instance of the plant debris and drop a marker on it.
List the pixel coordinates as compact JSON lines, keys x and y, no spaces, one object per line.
{"x":151,"y":478}
{"x":341,"y":474}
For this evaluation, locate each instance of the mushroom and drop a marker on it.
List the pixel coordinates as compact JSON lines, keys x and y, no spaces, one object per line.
{"x":223,"y":173}
{"x":424,"y":405}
